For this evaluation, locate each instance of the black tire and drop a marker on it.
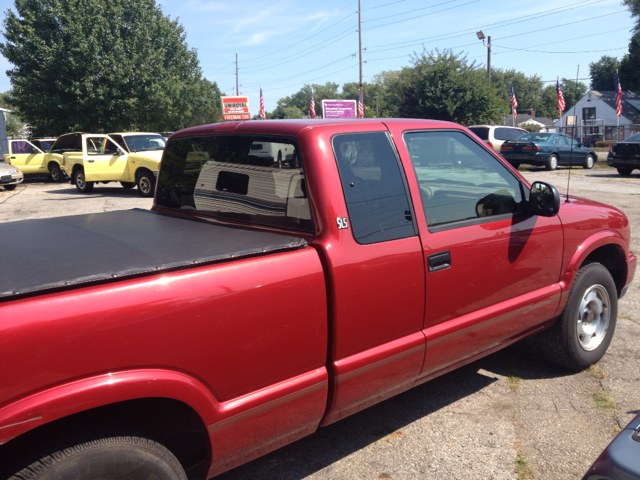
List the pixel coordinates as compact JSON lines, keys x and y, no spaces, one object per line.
{"x":146,"y":183}
{"x":128,"y":185}
{"x":10,"y":187}
{"x":589,"y":162}
{"x":118,"y":457}
{"x":515,"y":165}
{"x":56,"y":172}
{"x":79,"y":181}
{"x":624,"y":171}
{"x":279,"y":160}
{"x":581,"y":336}
{"x":552,"y":162}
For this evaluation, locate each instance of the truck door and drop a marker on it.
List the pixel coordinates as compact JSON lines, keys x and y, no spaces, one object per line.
{"x":492,"y":269}
{"x":27,"y":157}
{"x":376,"y":277}
{"x":102,"y":160}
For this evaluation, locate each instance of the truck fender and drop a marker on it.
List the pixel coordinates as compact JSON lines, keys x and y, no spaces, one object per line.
{"x":87,"y":393}
{"x":595,"y":241}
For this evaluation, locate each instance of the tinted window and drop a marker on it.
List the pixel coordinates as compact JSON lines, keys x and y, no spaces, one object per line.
{"x":224,"y":177}
{"x":460,"y":181}
{"x":502,"y":134}
{"x":100,"y":146}
{"x":44,"y":145}
{"x":18,"y":147}
{"x":535,"y":137}
{"x":141,"y":143}
{"x":68,"y":143}
{"x":559,"y":140}
{"x":373,"y":187}
{"x":120,"y":141}
{"x":481,"y":132}
{"x":633,"y":138}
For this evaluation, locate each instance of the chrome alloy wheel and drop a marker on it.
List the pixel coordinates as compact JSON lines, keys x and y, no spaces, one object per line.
{"x":80,"y":182}
{"x":144,"y":185}
{"x":593,"y":317}
{"x":553,"y":162}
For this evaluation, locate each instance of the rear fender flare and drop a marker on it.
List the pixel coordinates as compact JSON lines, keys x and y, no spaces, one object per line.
{"x":87,"y":393}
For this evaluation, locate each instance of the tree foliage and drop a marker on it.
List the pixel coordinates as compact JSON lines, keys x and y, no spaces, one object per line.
{"x":445,"y":86}
{"x":630,"y":66}
{"x":603,"y":73}
{"x":101,"y":66}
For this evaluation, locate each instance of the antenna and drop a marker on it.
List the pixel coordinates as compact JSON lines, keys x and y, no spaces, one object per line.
{"x":574,"y":129}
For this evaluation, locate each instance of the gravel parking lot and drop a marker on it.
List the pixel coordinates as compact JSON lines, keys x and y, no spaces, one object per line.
{"x":511,"y":415}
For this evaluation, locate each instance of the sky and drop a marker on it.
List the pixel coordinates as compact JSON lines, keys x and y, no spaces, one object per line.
{"x":287,"y":44}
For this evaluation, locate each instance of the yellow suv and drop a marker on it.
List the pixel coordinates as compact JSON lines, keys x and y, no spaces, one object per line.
{"x":28,"y":156}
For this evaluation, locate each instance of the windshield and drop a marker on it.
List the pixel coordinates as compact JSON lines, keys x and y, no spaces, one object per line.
{"x":633,"y":138}
{"x":534,"y":137}
{"x":141,"y":143}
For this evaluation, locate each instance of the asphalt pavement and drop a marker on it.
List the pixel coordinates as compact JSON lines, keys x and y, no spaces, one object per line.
{"x":511,"y":415}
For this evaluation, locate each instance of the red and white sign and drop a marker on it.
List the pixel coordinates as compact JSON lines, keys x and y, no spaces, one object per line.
{"x":235,"y":108}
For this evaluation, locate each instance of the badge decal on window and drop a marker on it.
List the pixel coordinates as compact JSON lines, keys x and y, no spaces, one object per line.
{"x":342,"y":222}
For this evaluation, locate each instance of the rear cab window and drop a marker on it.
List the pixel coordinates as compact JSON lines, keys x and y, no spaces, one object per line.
{"x":460,"y":182}
{"x":237,"y":178}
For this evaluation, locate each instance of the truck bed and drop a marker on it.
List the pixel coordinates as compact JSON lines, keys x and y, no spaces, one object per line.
{"x":84,"y":249}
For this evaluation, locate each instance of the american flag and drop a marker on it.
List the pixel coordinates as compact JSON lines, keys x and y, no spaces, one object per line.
{"x":262,"y":114}
{"x":618,"y":96}
{"x":312,"y":106}
{"x":514,"y":102}
{"x":360,"y":107}
{"x":561,"y":103}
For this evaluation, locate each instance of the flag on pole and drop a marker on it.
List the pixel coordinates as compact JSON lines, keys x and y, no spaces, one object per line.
{"x":514,"y":103}
{"x":262,"y":114}
{"x":618,"y":96}
{"x":561,"y":103}
{"x":360,"y":107}
{"x":312,"y":106}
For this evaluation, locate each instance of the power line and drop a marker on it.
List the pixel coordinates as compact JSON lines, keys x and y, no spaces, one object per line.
{"x":385,"y":5}
{"x":424,"y":15}
{"x":581,"y":51}
{"x":408,"y":11}
{"x":303,"y":73}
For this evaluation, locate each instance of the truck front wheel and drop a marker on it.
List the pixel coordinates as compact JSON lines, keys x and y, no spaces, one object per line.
{"x":119,"y":457}
{"x":55,"y":172}
{"x":581,"y":336}
{"x":80,"y":182}
{"x":146,"y":184}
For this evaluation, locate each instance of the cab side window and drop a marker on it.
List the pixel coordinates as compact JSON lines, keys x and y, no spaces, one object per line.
{"x":374,"y":187}
{"x":100,"y":146}
{"x":18,"y":147}
{"x":460,"y":182}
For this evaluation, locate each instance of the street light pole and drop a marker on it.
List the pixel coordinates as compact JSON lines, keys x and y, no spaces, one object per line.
{"x":481,"y":36}
{"x":376,"y":98}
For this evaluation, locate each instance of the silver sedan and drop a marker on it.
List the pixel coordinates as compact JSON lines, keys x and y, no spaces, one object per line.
{"x":10,"y":176}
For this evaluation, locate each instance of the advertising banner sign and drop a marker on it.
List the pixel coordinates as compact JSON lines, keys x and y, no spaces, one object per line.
{"x":338,"y":108}
{"x":235,"y":108}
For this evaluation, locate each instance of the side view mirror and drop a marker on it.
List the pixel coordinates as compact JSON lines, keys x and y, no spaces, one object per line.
{"x":119,"y":151}
{"x":544,"y":200}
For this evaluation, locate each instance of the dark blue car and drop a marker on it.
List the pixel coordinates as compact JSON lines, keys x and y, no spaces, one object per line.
{"x":548,"y":150}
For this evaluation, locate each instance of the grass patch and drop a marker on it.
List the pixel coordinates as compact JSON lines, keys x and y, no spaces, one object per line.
{"x":523,"y":469}
{"x":596,"y":372}
{"x":513,"y":381}
{"x":620,"y":315}
{"x":604,"y":400}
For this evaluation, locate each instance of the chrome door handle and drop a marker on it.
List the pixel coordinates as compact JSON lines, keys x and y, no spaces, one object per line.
{"x":90,"y":161}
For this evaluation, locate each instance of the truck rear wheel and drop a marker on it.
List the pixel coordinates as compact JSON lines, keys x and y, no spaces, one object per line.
{"x":582,"y":334}
{"x":81,"y":184}
{"x":624,"y":171}
{"x":146,"y":184}
{"x":118,"y":457}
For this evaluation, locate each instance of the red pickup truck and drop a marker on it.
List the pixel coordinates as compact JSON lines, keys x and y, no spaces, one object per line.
{"x":260,"y":300}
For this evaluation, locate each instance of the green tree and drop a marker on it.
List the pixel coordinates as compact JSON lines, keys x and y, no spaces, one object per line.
{"x":528,"y":90}
{"x":445,"y":86}
{"x":629,"y":73}
{"x":634,"y":6}
{"x":301,"y":100}
{"x":603,"y":73}
{"x":100,"y":66}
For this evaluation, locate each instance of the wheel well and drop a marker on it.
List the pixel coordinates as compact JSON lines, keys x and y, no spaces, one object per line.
{"x":612,"y":258}
{"x":77,"y":167}
{"x":142,"y":170}
{"x":52,"y":163}
{"x":169,"y":422}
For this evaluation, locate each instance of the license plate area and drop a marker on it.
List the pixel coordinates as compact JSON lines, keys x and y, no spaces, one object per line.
{"x":5,"y":179}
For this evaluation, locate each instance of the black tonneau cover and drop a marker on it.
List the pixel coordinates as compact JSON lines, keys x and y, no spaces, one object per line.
{"x":38,"y":255}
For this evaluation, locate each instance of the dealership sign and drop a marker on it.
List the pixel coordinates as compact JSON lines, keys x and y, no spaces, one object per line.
{"x":235,"y":108}
{"x":338,"y":108}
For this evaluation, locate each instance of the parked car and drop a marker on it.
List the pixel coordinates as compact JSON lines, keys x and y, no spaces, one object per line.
{"x":621,"y":459}
{"x":10,"y":176}
{"x":495,"y":135}
{"x":254,"y":305}
{"x":28,"y":155}
{"x":548,"y":150}
{"x":625,"y":155}
{"x":129,"y":158}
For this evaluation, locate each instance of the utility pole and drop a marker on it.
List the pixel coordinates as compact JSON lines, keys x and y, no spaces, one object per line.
{"x":237,"y":83}
{"x":360,"y":48}
{"x":489,"y":58}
